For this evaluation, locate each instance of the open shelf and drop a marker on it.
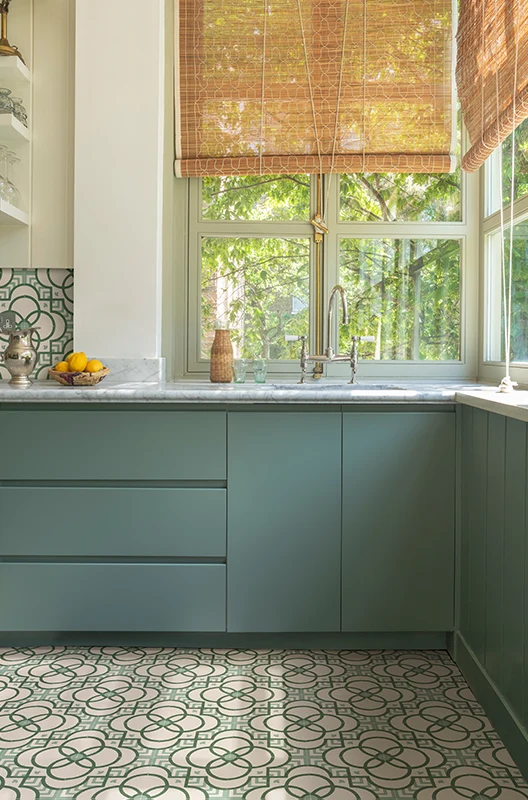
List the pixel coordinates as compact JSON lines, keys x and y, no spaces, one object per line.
{"x":13,"y":71}
{"x":11,"y":130}
{"x":9,"y":215}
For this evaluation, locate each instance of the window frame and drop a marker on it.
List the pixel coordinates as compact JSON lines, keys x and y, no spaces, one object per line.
{"x":466,"y":230}
{"x":491,"y":370}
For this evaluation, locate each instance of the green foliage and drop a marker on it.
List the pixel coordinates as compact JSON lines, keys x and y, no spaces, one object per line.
{"x":263,"y":285}
{"x":521,"y":164}
{"x":250,"y":197}
{"x":519,"y":321}
{"x":405,"y":292}
{"x":400,"y":198}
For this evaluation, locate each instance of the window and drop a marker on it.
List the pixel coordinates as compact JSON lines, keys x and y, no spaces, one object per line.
{"x":498,"y":176}
{"x":397,"y":243}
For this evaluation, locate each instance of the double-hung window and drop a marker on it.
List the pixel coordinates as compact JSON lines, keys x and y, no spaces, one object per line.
{"x":497,"y":194}
{"x":397,"y":243}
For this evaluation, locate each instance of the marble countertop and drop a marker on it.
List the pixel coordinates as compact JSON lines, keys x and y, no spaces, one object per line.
{"x":186,"y":391}
{"x":514,"y":404}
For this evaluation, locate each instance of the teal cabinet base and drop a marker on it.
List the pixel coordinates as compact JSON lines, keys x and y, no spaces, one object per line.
{"x":112,"y":597}
{"x":509,"y":728}
{"x":251,"y":641}
{"x":103,"y":522}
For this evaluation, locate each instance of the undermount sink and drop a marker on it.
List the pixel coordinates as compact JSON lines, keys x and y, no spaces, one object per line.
{"x":353,"y":387}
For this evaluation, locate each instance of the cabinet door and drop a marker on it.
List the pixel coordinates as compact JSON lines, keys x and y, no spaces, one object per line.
{"x":284,"y":521}
{"x":398,"y":521}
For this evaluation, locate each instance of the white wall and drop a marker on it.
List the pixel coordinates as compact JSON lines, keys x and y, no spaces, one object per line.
{"x":119,"y":142}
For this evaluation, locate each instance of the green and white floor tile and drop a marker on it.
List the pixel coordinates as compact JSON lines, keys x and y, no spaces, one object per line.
{"x":114,"y":723}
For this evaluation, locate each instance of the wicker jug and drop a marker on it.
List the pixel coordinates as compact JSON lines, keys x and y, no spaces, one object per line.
{"x":221,"y":368}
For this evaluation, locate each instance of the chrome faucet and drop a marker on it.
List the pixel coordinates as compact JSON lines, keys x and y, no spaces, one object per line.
{"x":329,"y":351}
{"x":329,"y":355}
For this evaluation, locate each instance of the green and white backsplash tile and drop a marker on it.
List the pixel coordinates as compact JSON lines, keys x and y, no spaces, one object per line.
{"x":44,"y":299}
{"x":114,"y":723}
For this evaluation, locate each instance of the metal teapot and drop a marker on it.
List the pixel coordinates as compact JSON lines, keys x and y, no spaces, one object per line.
{"x":20,"y":357}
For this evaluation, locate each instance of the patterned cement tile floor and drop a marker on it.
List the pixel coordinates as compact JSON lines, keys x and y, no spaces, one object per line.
{"x":113,"y":723}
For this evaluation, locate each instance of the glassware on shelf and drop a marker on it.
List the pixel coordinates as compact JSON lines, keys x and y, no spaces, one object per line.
{"x":3,"y":179}
{"x":19,"y":111}
{"x":6,"y":101}
{"x":9,"y":191}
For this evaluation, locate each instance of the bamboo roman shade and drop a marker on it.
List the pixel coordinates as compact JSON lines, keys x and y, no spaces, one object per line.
{"x":492,"y":73}
{"x":309,"y":86}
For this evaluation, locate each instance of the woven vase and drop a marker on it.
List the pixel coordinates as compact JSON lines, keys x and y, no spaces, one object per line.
{"x":221,"y":368}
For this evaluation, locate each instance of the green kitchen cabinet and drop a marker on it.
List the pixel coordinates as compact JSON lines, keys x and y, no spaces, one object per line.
{"x":398,"y":520}
{"x":113,"y":445}
{"x":65,"y":596}
{"x":284,"y":521}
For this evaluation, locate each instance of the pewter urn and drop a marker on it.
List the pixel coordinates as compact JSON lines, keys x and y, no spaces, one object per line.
{"x":20,"y":357}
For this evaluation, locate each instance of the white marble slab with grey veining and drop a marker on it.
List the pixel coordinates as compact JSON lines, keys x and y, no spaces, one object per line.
{"x":185,"y":391}
{"x":136,"y":369}
{"x":514,"y":404}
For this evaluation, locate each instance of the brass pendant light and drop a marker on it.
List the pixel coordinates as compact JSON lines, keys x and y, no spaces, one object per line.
{"x":7,"y":49}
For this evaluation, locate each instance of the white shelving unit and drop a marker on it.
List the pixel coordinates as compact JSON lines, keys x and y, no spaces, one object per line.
{"x":16,"y":76}
{"x":11,"y":130}
{"x":9,"y":215}
{"x":13,"y":72}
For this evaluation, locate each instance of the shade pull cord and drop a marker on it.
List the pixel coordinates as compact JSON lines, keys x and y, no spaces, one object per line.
{"x":507,"y":385}
{"x":336,"y":126}
{"x":364,"y":112}
{"x":264,"y":33}
{"x":310,"y":89}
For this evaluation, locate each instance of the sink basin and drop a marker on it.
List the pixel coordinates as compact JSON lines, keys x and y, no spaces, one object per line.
{"x":352,"y":387}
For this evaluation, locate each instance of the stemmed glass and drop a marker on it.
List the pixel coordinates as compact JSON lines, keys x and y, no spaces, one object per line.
{"x":3,"y":180}
{"x":8,"y":190}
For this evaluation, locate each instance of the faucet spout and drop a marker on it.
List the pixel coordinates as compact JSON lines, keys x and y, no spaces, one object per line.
{"x":329,"y":351}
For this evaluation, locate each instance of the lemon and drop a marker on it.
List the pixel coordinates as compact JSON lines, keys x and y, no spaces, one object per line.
{"x":78,"y":362}
{"x":93,"y":366}
{"x":67,"y":359}
{"x":62,"y":366}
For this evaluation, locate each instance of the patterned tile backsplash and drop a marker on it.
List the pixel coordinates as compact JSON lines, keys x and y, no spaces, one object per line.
{"x":44,"y":299}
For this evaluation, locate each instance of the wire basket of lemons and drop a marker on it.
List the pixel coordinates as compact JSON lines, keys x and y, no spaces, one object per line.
{"x":78,"y":370}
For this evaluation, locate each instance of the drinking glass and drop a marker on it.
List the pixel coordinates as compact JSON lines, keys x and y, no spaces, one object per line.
{"x":3,"y":179}
{"x":260,"y":369}
{"x":239,"y":370}
{"x":9,"y":191}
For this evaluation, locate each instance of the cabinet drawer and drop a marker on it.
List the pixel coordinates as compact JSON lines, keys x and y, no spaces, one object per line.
{"x":67,"y":521}
{"x":112,"y":597}
{"x":70,"y":444}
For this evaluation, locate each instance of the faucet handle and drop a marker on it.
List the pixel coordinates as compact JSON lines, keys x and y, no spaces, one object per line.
{"x":304,"y":352}
{"x":354,"y":354}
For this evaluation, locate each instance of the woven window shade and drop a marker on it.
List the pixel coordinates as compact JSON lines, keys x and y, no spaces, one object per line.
{"x":309,"y":86}
{"x":492,"y":39}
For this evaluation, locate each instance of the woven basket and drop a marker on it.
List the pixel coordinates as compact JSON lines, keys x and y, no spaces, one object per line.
{"x":221,"y":368}
{"x":78,"y":378}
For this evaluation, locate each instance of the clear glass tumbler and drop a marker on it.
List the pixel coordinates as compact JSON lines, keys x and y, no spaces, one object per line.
{"x":239,"y":370}
{"x":260,"y":369}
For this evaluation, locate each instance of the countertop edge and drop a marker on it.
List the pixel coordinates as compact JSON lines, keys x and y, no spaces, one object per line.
{"x":513,"y":405}
{"x":179,"y":393}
